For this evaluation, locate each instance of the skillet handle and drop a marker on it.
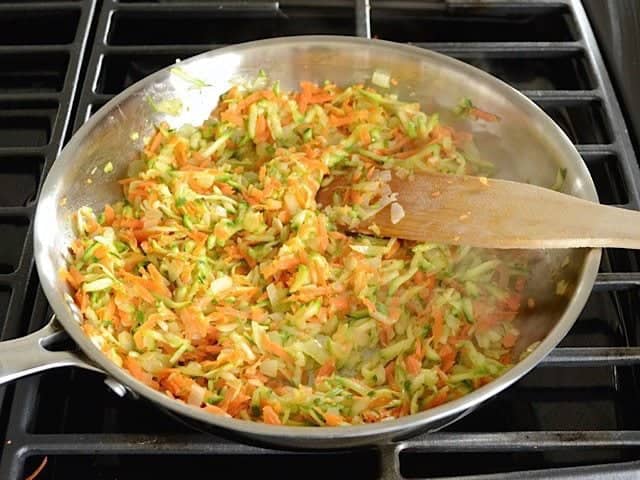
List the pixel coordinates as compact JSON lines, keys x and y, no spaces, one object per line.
{"x":27,"y":355}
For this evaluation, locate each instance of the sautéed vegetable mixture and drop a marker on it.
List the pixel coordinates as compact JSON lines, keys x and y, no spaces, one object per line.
{"x":219,"y":280}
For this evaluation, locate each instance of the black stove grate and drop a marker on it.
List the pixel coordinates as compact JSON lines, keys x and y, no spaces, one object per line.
{"x":573,"y":417}
{"x":41,"y":48}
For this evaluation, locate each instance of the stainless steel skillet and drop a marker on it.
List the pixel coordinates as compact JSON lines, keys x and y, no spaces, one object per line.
{"x":525,"y":145}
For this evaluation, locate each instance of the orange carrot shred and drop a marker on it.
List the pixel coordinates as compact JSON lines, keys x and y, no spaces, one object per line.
{"x":155,"y":143}
{"x":270,"y":416}
{"x":38,"y":470}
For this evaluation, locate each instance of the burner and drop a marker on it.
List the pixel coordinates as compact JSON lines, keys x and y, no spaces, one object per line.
{"x":578,"y":409}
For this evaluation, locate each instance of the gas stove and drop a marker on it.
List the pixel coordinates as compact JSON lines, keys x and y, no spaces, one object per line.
{"x":575,"y":416}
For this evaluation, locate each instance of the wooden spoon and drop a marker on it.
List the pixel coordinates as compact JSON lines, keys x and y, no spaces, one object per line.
{"x":489,"y":213}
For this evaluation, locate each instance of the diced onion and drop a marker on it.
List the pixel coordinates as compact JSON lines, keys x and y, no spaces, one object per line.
{"x":381,"y":79}
{"x":272,"y":293}
{"x":97,"y":285}
{"x":196,"y":395}
{"x":126,"y":340}
{"x":153,"y":361}
{"x":221,"y":284}
{"x":269,"y":368}
{"x":397,"y":212}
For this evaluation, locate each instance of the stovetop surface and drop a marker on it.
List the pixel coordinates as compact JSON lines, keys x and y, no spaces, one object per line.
{"x":63,"y":60}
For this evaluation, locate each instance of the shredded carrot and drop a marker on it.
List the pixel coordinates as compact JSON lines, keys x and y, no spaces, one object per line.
{"x":262,"y":132}
{"x":438,"y":399}
{"x":232,"y":116}
{"x":138,"y":372}
{"x":109,"y":214}
{"x":270,"y":416}
{"x":509,"y":340}
{"x":340,"y":303}
{"x":38,"y":470}
{"x":326,"y":369}
{"x":413,"y":364}
{"x":180,"y":153}
{"x":447,"y":357}
{"x":155,"y":143}
{"x":75,"y":278}
{"x":332,"y":419}
{"x":482,"y":115}
{"x":337,"y":121}
{"x":216,"y":410}
{"x":438,"y":325}
{"x":277,"y":350}
{"x":253,"y":98}
{"x":512,"y":302}
{"x":193,"y":322}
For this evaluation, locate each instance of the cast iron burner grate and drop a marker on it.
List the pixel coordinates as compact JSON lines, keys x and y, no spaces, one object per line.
{"x":573,"y":417}
{"x":41,"y":49}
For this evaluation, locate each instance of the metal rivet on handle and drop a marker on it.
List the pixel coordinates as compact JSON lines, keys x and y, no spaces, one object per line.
{"x":116,"y":387}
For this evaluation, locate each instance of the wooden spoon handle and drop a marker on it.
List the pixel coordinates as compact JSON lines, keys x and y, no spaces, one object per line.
{"x":479,"y":212}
